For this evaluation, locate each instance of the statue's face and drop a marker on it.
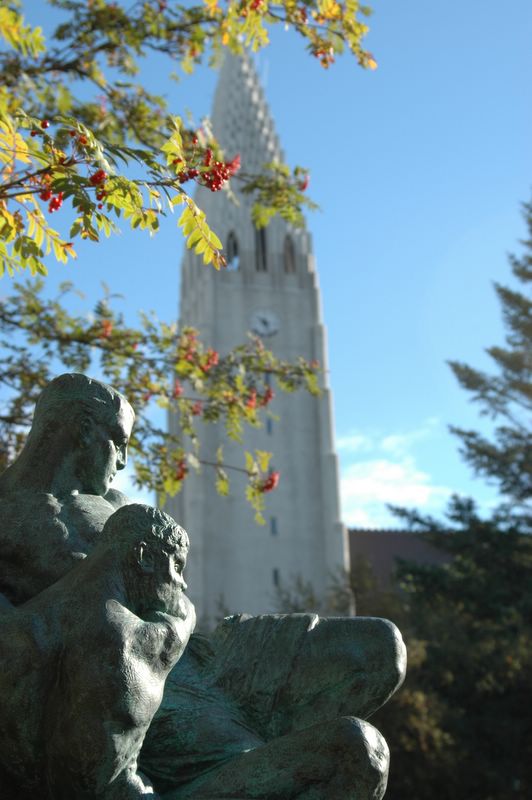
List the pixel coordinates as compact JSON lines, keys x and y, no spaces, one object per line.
{"x":104,"y":452}
{"x":164,"y":582}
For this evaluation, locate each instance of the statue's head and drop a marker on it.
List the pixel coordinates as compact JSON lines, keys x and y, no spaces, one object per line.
{"x":154,"y":549}
{"x":89,"y":419}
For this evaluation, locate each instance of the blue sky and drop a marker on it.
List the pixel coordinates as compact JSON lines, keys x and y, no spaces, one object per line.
{"x":419,"y":169}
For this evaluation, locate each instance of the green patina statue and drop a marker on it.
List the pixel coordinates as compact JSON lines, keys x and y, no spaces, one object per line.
{"x":269,"y":708}
{"x":83,"y":664}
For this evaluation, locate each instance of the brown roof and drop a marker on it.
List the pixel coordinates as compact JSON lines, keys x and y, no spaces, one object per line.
{"x":381,"y":548}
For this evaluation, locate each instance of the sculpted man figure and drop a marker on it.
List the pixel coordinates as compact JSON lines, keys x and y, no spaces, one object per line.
{"x":268,"y":707}
{"x":83,"y":664}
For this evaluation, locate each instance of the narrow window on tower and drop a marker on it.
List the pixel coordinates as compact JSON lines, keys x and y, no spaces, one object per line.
{"x":275,"y":576}
{"x":232,"y":252}
{"x":269,"y":426}
{"x":289,"y":255}
{"x":273,"y":526}
{"x":260,"y":250}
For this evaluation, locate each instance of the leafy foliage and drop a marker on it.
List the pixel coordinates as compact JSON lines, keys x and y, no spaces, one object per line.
{"x":153,"y":363}
{"x":78,"y":129}
{"x":122,"y":154}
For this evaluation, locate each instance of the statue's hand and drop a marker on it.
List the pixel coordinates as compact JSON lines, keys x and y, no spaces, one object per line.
{"x":178,"y":626}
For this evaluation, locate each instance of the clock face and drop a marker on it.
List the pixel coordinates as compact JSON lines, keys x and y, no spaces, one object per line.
{"x":264,"y":322}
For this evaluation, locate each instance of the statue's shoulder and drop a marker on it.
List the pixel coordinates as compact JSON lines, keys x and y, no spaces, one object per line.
{"x":117,"y":499}
{"x":23,"y":506}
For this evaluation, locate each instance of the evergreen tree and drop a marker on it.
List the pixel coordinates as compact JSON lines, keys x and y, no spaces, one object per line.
{"x":461,"y":728}
{"x":507,"y":396}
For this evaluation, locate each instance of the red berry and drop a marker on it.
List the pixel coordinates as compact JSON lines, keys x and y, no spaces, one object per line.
{"x":181,"y":470}
{"x":72,"y":133}
{"x":107,"y":329}
{"x":234,"y":165}
{"x":98,"y":177}
{"x":34,"y":133}
{"x":56,"y":202}
{"x":45,"y":124}
{"x":267,"y":396}
{"x":270,"y":483}
{"x":100,"y":205}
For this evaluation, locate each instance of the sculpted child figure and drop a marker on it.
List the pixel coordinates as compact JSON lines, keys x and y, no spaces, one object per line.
{"x":271,"y":707}
{"x":83,"y":664}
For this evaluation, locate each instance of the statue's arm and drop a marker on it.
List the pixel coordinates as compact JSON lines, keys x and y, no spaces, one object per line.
{"x":163,"y":639}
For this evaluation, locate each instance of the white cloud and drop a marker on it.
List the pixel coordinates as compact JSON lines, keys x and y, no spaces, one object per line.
{"x":355,"y":443}
{"x":401,"y":443}
{"x":388,"y":474}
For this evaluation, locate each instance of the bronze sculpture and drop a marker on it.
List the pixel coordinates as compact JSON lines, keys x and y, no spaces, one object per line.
{"x":268,"y":707}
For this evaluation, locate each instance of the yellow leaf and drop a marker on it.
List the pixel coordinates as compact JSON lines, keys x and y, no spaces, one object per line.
{"x":263,"y":457}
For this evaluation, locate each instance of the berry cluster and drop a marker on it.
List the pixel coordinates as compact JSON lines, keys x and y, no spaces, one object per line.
{"x":181,"y":471}
{"x":270,"y":483}
{"x":267,"y":397}
{"x":107,"y":329}
{"x":325,"y":55}
{"x":98,"y":179}
{"x":81,"y":140}
{"x":211,"y":360}
{"x":188,"y":174}
{"x":251,"y":402}
{"x":55,"y":201}
{"x":196,"y":408}
{"x":255,"y":400}
{"x":211,"y":173}
{"x":219,"y":173}
{"x":45,"y":123}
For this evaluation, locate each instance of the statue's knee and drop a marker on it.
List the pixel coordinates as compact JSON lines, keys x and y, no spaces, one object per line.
{"x":361,"y":750}
{"x":393,"y":655}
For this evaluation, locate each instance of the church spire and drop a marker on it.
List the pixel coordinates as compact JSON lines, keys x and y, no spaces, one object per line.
{"x":269,"y":288}
{"x":241,"y":119}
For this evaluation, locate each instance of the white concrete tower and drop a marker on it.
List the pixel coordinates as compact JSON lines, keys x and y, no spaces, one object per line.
{"x":270,"y":286}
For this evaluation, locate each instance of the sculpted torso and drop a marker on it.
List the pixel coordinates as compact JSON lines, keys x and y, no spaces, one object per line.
{"x":57,"y":496}
{"x":68,"y":530}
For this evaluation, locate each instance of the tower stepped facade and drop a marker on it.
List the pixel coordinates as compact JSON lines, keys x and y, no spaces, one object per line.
{"x":270,"y":287}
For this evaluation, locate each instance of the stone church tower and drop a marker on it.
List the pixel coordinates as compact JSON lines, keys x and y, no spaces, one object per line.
{"x":270,"y":287}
